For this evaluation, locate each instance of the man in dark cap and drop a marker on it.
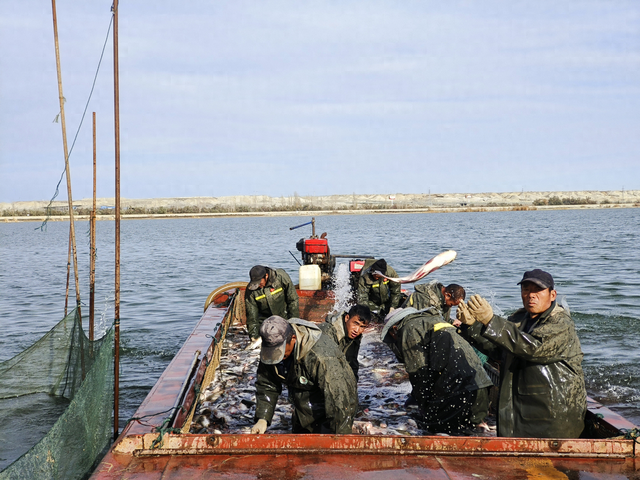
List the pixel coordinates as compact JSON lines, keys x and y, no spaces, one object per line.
{"x":444,"y":371}
{"x":270,"y":292}
{"x":542,"y":391}
{"x":320,"y":382}
{"x":375,"y":291}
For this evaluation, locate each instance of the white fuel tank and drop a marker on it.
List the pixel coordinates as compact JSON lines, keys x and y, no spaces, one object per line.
{"x":310,"y":277}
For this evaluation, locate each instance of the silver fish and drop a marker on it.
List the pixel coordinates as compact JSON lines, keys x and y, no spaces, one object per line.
{"x":435,"y":263}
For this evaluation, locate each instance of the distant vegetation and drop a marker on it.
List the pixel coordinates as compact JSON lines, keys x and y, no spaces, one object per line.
{"x":566,"y":201}
{"x":298,"y":204}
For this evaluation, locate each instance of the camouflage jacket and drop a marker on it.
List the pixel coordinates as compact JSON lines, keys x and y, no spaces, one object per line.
{"x":321,"y":385}
{"x":277,"y":297}
{"x":439,"y":361}
{"x":334,"y":326}
{"x":379,"y":295}
{"x":429,"y":295}
{"x":542,"y":392}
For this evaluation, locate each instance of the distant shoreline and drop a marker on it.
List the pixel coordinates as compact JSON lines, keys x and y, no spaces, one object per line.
{"x":308,"y":213}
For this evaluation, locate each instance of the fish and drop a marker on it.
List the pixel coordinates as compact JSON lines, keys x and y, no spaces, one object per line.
{"x":432,"y":265}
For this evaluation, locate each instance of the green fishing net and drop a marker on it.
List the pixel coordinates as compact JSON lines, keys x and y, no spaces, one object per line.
{"x":56,"y":404}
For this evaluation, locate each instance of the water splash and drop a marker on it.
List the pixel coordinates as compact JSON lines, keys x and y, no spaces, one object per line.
{"x":341,"y":286}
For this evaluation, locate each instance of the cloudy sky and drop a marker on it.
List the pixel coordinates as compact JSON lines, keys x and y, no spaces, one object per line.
{"x":324,"y":97}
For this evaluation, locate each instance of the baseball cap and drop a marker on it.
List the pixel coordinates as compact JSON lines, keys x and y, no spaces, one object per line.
{"x":256,"y":274}
{"x":274,"y":339}
{"x":539,"y":277}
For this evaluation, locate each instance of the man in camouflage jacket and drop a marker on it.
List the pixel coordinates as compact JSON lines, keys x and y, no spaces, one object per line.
{"x":320,"y":382}
{"x":270,"y":292}
{"x":435,"y":294}
{"x":376,"y":292}
{"x":346,"y":330}
{"x":542,"y":391}
{"x":444,"y":371}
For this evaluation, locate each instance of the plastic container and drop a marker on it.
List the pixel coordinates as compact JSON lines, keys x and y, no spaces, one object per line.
{"x":310,"y":277}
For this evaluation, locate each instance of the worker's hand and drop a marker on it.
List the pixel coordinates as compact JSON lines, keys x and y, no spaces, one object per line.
{"x":260,"y":427}
{"x":480,"y":309}
{"x":255,"y":343}
{"x":464,"y":315}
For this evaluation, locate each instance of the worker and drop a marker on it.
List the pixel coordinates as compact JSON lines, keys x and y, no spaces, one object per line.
{"x":346,"y":330}
{"x":444,"y":371}
{"x":376,"y":292}
{"x":319,"y":380}
{"x":435,"y":294}
{"x":542,"y":392}
{"x":270,"y":292}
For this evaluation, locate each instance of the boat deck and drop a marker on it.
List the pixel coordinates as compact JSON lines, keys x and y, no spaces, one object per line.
{"x":141,"y":452}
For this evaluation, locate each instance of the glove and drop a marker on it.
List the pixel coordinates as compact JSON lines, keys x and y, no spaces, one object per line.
{"x":464,"y":315}
{"x":255,"y":343}
{"x":260,"y":427}
{"x":480,"y":309}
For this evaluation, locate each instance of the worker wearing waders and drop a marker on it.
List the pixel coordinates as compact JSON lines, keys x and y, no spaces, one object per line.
{"x":346,"y":330}
{"x":270,"y":292}
{"x":542,"y":391}
{"x":320,"y":382}
{"x":443,"y":369}
{"x":375,"y":291}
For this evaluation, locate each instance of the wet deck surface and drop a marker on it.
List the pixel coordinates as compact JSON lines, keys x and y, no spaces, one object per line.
{"x":228,"y":404}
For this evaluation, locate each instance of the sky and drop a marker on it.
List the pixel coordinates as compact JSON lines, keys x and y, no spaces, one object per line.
{"x":279,"y":98}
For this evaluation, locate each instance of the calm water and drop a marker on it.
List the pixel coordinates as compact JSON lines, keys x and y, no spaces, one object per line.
{"x":170,"y":266}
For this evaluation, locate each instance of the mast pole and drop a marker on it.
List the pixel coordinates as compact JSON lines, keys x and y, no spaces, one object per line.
{"x":92,"y":229}
{"x":116,"y":98}
{"x":66,"y":158}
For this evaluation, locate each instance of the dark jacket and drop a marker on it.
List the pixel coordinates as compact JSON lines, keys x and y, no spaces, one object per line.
{"x":335,"y":327}
{"x":379,"y":295}
{"x":440,"y":363}
{"x":277,"y":297}
{"x":429,"y":295}
{"x":542,"y":391}
{"x":321,"y":385}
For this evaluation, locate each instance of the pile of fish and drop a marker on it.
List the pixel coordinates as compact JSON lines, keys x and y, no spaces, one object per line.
{"x":227,"y":405}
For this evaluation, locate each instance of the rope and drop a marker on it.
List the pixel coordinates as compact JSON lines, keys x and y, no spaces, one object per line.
{"x":43,"y":226}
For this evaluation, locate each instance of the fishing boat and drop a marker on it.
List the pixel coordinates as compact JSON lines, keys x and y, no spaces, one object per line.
{"x":161,"y":441}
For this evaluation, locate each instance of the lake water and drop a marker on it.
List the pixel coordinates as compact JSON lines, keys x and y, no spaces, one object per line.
{"x":170,"y":266}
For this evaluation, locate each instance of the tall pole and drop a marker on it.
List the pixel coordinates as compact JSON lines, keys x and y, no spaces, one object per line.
{"x":116,"y":84}
{"x":92,"y":229}
{"x":66,"y":158}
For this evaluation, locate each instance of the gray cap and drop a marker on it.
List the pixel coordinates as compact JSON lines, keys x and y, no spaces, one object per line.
{"x":394,"y":317}
{"x":274,"y":339}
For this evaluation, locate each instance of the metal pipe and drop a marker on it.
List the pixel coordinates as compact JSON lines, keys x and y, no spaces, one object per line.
{"x":116,"y":109}
{"x":92,"y":234}
{"x":298,"y":226}
{"x":66,"y":157}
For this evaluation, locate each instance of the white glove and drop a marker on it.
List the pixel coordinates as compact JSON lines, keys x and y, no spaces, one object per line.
{"x":464,"y":315}
{"x":480,"y":309}
{"x":254,"y":344}
{"x":260,"y":427}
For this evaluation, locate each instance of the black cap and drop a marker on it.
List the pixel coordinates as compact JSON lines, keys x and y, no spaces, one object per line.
{"x":379,"y":266}
{"x":539,"y":277}
{"x":256,"y":274}
{"x":274,"y":339}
